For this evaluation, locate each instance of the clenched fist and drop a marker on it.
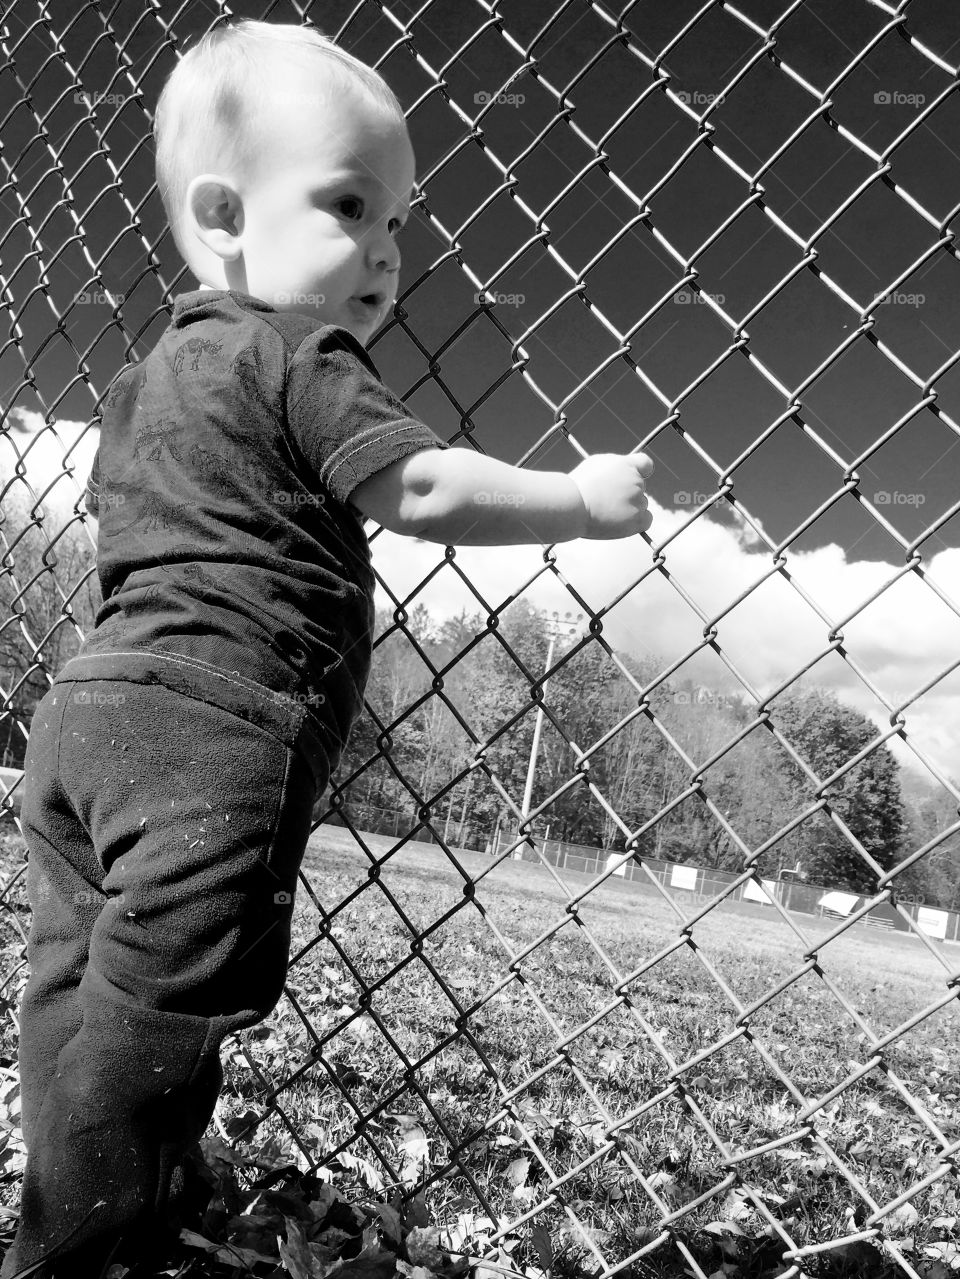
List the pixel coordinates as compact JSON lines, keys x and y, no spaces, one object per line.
{"x":613,"y":489}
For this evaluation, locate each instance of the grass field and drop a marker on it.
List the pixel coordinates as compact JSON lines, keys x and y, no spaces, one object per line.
{"x":485,"y":1120}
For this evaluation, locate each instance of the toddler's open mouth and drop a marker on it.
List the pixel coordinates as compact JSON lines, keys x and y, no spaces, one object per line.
{"x":368,"y":307}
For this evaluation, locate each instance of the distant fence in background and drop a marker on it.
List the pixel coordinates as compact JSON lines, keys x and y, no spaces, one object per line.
{"x":791,"y":893}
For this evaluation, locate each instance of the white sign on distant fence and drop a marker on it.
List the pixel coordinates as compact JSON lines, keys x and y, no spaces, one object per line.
{"x":762,"y":892}
{"x":933,"y":922}
{"x":684,"y":877}
{"x":841,"y":903}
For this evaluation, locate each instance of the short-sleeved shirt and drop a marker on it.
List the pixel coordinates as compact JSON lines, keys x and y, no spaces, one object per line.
{"x":222,"y":482}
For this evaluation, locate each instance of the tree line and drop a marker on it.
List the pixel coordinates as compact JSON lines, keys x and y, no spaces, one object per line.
{"x":697,"y":773}
{"x":702,"y":778}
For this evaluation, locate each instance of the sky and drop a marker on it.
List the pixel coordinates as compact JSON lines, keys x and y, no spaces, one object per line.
{"x":528,"y":211}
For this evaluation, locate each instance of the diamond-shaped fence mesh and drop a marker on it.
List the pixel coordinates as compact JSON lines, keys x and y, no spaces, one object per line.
{"x":584,"y":945}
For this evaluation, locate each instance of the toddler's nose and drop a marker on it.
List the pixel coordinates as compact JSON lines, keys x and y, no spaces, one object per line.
{"x":387,"y":260}
{"x":385,"y":252}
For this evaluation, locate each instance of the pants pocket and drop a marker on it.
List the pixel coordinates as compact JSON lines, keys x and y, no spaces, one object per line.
{"x":198,"y":820}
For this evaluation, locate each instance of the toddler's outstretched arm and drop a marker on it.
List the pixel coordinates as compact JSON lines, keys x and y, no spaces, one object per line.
{"x":461,"y":498}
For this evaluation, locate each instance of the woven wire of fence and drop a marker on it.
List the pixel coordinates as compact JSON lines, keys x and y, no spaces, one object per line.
{"x":718,"y":232}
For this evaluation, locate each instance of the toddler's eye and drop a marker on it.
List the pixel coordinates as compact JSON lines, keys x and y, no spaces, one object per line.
{"x":396,"y":226}
{"x":352,"y":207}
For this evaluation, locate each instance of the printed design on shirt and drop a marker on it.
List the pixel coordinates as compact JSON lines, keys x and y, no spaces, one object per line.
{"x":212,"y":466}
{"x":107,"y":634}
{"x":114,"y":394}
{"x":225,"y":476}
{"x":154,"y":437}
{"x":126,"y":382}
{"x":197,"y":349}
{"x":156,"y":514}
{"x":199,"y":580}
{"x":150,"y":602}
{"x":114,"y":496}
{"x":116,"y":627}
{"x":150,"y":599}
{"x":248,"y":369}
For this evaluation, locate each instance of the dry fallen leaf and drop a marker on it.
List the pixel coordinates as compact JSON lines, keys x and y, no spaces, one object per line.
{"x":415,"y":1145}
{"x":423,"y":1247}
{"x":375,"y":1262}
{"x":229,"y":1254}
{"x":540,"y":1238}
{"x":902,"y":1219}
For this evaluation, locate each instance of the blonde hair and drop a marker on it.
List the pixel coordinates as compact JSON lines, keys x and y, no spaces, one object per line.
{"x":206,"y":113}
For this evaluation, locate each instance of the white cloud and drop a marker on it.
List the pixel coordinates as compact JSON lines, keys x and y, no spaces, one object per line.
{"x":900,"y":641}
{"x":45,"y":455}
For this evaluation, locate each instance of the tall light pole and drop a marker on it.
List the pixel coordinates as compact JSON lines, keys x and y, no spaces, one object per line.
{"x":555,"y":627}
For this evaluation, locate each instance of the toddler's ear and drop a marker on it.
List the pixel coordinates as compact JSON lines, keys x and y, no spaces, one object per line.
{"x":216,"y":212}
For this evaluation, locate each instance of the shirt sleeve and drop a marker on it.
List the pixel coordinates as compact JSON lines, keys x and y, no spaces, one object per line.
{"x":343,"y":419}
{"x":91,"y":498}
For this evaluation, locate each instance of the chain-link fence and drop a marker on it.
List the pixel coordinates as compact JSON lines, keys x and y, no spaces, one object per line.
{"x":719,"y":232}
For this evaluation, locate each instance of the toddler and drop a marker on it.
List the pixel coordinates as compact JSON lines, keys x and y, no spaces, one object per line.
{"x":173,"y":766}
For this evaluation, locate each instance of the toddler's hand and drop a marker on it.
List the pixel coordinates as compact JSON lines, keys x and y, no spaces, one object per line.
{"x":613,"y":491}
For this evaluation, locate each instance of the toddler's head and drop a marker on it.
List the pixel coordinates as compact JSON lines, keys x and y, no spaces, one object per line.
{"x":286,"y":171}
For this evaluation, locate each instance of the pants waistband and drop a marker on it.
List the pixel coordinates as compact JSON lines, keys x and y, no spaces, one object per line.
{"x":280,"y":714}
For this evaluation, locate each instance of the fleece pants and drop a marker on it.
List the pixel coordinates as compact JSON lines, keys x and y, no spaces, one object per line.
{"x":165,"y":834}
